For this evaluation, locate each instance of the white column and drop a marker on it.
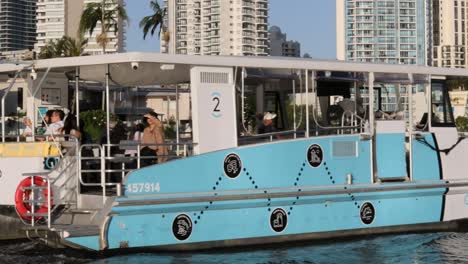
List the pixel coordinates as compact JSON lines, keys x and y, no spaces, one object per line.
{"x":371,"y":102}
{"x":307,"y":102}
{"x":107,"y":109}
{"x":77,"y":95}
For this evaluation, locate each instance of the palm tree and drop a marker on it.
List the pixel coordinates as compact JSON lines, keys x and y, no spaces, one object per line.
{"x":50,"y":50}
{"x":73,"y":47}
{"x":64,"y":47}
{"x":153,"y":21}
{"x":108,"y":13}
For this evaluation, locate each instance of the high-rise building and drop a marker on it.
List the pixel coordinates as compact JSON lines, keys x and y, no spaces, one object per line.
{"x":450,"y":43}
{"x":58,"y":18}
{"x":387,"y":31}
{"x":116,"y":39}
{"x":280,"y":46}
{"x":17,"y":25}
{"x":216,"y":27}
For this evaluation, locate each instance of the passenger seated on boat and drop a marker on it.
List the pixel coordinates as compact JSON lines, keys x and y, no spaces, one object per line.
{"x":267,"y":124}
{"x":136,"y":139}
{"x":40,"y":130}
{"x":153,"y":134}
{"x":397,"y":115}
{"x":349,"y":105}
{"x":70,"y":127}
{"x":56,"y":123}
{"x":27,"y":127}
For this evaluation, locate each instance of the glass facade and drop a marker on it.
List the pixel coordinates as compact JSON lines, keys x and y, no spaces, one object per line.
{"x":450,"y":34}
{"x":214,"y":27}
{"x":388,"y":31}
{"x":17,"y":24}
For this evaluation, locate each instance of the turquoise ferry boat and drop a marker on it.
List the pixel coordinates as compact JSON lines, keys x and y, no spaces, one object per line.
{"x":336,"y":165}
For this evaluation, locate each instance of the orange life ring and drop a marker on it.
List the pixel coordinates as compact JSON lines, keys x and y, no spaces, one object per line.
{"x":22,"y":206}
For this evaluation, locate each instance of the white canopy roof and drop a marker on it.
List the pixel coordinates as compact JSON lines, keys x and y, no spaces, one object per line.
{"x":156,"y":68}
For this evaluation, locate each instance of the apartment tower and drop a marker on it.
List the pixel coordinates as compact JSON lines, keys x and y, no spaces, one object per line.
{"x":17,"y":25}
{"x":280,"y":46}
{"x":216,"y":27}
{"x":385,"y":31}
{"x":450,"y":42}
{"x":58,"y":18}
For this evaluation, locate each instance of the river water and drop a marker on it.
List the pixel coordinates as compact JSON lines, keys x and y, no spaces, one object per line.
{"x":411,"y":248}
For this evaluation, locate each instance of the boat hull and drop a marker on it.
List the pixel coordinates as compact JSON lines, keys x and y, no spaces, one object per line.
{"x":11,"y":227}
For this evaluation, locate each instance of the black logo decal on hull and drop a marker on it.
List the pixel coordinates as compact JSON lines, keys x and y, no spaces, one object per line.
{"x":278,"y":220}
{"x":182,"y":227}
{"x":315,"y":155}
{"x":232,"y":166}
{"x":367,"y":213}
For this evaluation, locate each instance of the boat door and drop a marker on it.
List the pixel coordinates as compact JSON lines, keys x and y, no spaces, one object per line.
{"x":390,"y":142}
{"x":451,"y":149}
{"x":442,"y":123}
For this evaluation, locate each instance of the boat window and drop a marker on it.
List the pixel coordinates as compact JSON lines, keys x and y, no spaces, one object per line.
{"x":273,"y":104}
{"x":377,"y":98}
{"x":442,"y":115}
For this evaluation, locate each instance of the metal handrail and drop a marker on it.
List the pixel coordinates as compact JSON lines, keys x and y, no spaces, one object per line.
{"x":166,"y":199}
{"x":50,"y":182}
{"x":272,"y":135}
{"x":105,"y":156}
{"x":353,"y":116}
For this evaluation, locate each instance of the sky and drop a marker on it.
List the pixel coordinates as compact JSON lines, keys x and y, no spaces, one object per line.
{"x":311,"y":22}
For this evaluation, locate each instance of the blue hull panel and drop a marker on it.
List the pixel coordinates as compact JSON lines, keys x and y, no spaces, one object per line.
{"x":142,"y":230}
{"x":323,"y":163}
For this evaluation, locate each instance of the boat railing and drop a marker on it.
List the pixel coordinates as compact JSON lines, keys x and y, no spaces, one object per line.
{"x":270,"y":137}
{"x":62,"y":188}
{"x":106,"y":165}
{"x":349,"y":120}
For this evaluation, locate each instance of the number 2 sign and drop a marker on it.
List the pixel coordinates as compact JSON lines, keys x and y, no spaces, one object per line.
{"x":216,"y":105}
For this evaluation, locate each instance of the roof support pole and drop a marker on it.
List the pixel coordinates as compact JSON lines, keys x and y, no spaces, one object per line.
{"x":77,"y":96}
{"x":370,"y":84}
{"x":410,"y":125}
{"x":35,"y":90}
{"x":307,"y":102}
{"x":428,"y":91}
{"x":371,"y":102}
{"x":177,"y":117}
{"x":107,"y":111}
{"x":294,"y":106}
{"x":314,"y":94}
{"x":243,"y":76}
{"x":3,"y":103}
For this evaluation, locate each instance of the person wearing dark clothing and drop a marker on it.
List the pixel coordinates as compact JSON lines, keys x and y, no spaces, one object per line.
{"x":267,"y":124}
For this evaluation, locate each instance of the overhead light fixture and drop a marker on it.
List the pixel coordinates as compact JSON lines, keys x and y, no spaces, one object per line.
{"x":167,"y":67}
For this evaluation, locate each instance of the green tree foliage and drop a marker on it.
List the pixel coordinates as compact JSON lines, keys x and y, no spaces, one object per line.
{"x":108,"y":13}
{"x":462,"y":123}
{"x":150,"y":23}
{"x":456,"y":84}
{"x":64,"y":47}
{"x":95,"y":123}
{"x":170,"y":129}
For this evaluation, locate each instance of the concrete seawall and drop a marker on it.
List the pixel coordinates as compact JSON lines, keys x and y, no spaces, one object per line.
{"x":10,"y":226}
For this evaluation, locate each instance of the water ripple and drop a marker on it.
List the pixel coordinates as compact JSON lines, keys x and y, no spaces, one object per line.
{"x":433,"y":248}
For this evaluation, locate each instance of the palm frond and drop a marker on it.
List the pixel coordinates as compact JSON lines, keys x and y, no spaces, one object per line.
{"x":151,"y":23}
{"x":91,"y":15}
